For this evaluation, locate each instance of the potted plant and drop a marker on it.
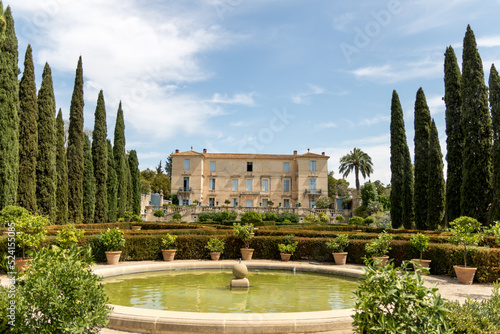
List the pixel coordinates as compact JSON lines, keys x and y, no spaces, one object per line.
{"x":420,"y":242}
{"x":216,"y":247}
{"x":168,"y":244}
{"x":379,"y":247}
{"x":464,"y":232}
{"x":338,"y":246}
{"x":245,"y":234}
{"x":287,"y":248}
{"x":112,"y":241}
{"x":30,"y":233}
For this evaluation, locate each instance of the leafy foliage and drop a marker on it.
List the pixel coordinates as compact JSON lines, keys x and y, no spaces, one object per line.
{"x":339,"y":218}
{"x":62,"y":173}
{"x":251,"y":217}
{"x":177,"y":216}
{"x":89,"y":183}
{"x":159,"y":213}
{"x":243,"y":232}
{"x":69,"y":236}
{"x":112,"y":239}
{"x":494,"y":87}
{"x":436,"y":187}
{"x":30,"y":232}
{"x":10,"y":213}
{"x":355,"y":220}
{"x":289,"y":246}
{"x":339,"y":243}
{"x":464,"y":231}
{"x":323,"y":202}
{"x":420,"y":242}
{"x":215,"y":245}
{"x":169,"y":241}
{"x":217,"y":216}
{"x":357,"y":161}
{"x":379,"y":246}
{"x":100,"y":161}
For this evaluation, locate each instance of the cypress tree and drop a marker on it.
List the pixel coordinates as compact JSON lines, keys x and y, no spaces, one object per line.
{"x":9,"y":108}
{"x":28,"y":135}
{"x":129,"y":183}
{"x":401,"y":175}
{"x":476,"y":124}
{"x":120,"y":163}
{"x":494,"y":83}
{"x":100,"y":156}
{"x":436,"y":188}
{"x":111,"y":184}
{"x":422,"y":136}
{"x":46,"y":163}
{"x":75,"y":150}
{"x":89,"y":185}
{"x":62,"y":173}
{"x":136,"y":182}
{"x":454,"y":141}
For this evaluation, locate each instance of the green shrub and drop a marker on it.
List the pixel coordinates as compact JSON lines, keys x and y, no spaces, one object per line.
{"x":464,"y":232}
{"x":169,"y":241}
{"x":496,"y":232}
{"x":323,"y":217}
{"x":394,"y":300}
{"x":310,"y":218}
{"x":136,"y":219}
{"x":159,"y":213}
{"x":112,"y":240}
{"x":177,"y":216}
{"x":288,"y":248}
{"x":30,"y":231}
{"x":10,"y":213}
{"x":244,"y":232}
{"x":356,"y":220}
{"x":374,"y":207}
{"x":340,"y":218}
{"x":368,"y":221}
{"x":379,"y":246}
{"x":475,"y":317}
{"x":292,"y":217}
{"x":69,"y":236}
{"x":60,"y":294}
{"x":339,"y":243}
{"x":420,"y":242}
{"x":5,"y":316}
{"x":270,"y":216}
{"x":251,"y":217}
{"x":215,"y":245}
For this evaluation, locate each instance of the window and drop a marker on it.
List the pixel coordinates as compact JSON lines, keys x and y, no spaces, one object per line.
{"x":185,"y":202}
{"x":286,"y":167}
{"x":235,"y":185}
{"x":187,"y":163}
{"x":265,"y":185}
{"x":312,"y":204}
{"x":312,"y":164}
{"x":211,"y":184}
{"x":312,"y":183}
{"x":249,"y":203}
{"x":212,"y":166}
{"x":249,"y":166}
{"x":286,"y":203}
{"x":235,"y":202}
{"x":211,"y":202}
{"x":186,"y":184}
{"x":264,"y":202}
{"x":286,"y":185}
{"x":249,"y":185}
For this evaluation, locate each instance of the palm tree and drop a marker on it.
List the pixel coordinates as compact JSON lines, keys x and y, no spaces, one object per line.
{"x":358,"y":161}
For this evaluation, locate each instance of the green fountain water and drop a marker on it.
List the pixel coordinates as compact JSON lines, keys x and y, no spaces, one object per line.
{"x":208,"y":291}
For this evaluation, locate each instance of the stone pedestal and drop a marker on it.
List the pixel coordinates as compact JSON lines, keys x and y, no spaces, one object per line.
{"x":240,"y":283}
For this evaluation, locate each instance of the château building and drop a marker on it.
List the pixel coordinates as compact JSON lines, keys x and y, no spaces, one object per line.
{"x":249,"y":180}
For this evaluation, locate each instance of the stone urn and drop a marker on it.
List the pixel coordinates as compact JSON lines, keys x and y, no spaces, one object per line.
{"x":340,"y":258}
{"x":380,"y":260}
{"x":240,"y":271}
{"x":246,"y":253}
{"x":113,"y":257}
{"x":215,"y":256}
{"x":285,"y":257}
{"x":168,"y":254}
{"x":419,"y":264}
{"x":465,"y":275}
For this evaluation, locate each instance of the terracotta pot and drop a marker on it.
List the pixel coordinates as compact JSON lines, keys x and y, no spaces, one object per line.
{"x":136,"y":228}
{"x":168,"y":254}
{"x":246,"y":253}
{"x":113,"y":257}
{"x":23,"y":264}
{"x":285,"y":257}
{"x":340,"y":258}
{"x":418,"y":264}
{"x":380,"y":260}
{"x":215,"y":256}
{"x":465,"y":275}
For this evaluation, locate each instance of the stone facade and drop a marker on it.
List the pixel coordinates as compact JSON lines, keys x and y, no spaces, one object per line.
{"x":249,"y":180}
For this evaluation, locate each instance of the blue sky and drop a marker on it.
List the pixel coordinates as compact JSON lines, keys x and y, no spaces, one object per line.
{"x":255,"y":76}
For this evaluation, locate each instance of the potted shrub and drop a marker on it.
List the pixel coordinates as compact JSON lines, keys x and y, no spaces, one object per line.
{"x":420,"y":242}
{"x":464,"y":232}
{"x":216,"y":247}
{"x":245,"y":234}
{"x":112,"y":241}
{"x":168,"y":250}
{"x":379,"y":247}
{"x":136,"y":219}
{"x":338,"y":246}
{"x":287,"y":248}
{"x":29,"y":234}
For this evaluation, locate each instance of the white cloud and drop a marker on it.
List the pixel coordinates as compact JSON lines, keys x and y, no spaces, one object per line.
{"x":342,"y":21}
{"x":236,"y":124}
{"x":488,"y":42}
{"x":375,"y":120}
{"x":436,"y":104}
{"x":303,"y":97}
{"x":242,"y":99}
{"x":426,"y":68}
{"x":327,"y":125}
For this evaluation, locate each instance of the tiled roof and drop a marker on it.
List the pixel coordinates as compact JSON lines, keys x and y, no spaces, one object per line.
{"x":251,"y":156}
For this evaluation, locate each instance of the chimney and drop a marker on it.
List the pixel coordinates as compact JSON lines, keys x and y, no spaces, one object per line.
{"x":295,"y":152}
{"x":322,"y":153}
{"x":177,"y":151}
{"x":204,"y":150}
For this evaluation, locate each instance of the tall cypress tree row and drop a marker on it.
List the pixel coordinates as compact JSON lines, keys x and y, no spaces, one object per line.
{"x":46,"y":162}
{"x":136,"y":182}
{"x":422,"y":136}
{"x":89,"y":185}
{"x":75,"y":150}
{"x":494,"y":83}
{"x":408,"y":190}
{"x":436,"y":187}
{"x":28,"y":135}
{"x":112,"y":186}
{"x":100,"y":156}
{"x":129,"y":184}
{"x":9,"y":108}
{"x":476,"y":124}
{"x":62,"y":173}
{"x":455,"y":140}
{"x":401,"y":197}
{"x":120,"y":163}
